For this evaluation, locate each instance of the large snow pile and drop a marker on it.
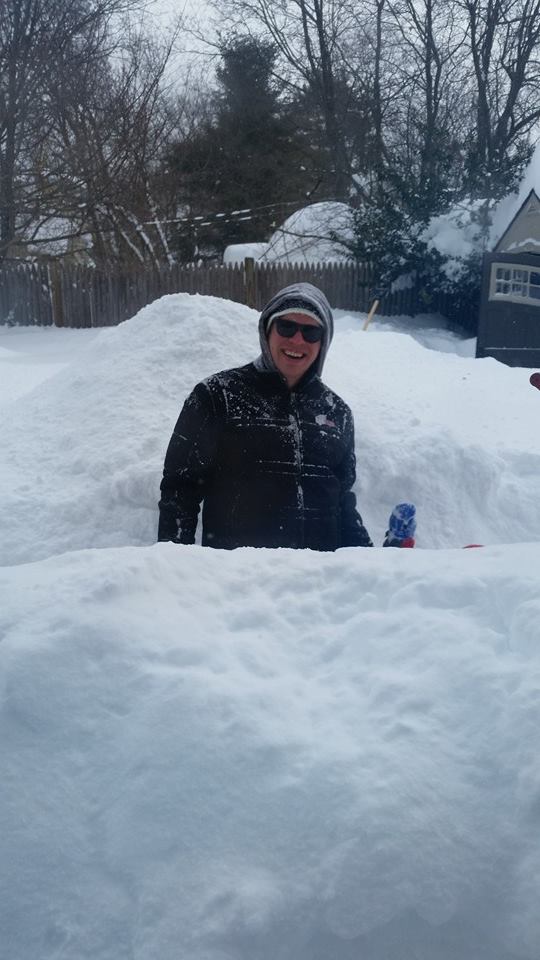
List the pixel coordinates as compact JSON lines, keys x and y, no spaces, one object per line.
{"x":267,"y":754}
{"x":83,"y":454}
{"x":318,"y":233}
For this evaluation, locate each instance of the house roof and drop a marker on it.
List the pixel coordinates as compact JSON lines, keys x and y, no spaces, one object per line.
{"x":522,"y":234}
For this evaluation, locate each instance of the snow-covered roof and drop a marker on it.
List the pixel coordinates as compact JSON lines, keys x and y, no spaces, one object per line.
{"x":522,"y":234}
{"x":508,"y":208}
{"x":52,"y":237}
{"x":238,"y":252}
{"x":308,"y":236}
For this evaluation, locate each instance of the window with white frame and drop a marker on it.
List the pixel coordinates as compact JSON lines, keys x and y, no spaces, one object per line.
{"x":519,"y":284}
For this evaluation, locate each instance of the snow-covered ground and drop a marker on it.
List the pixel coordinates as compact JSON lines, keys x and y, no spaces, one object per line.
{"x":267,"y":755}
{"x":31,"y":355}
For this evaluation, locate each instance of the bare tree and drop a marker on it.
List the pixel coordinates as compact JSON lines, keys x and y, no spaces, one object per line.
{"x":311,"y":38}
{"x":379,"y":153}
{"x":376,"y":61}
{"x":504,"y":38}
{"x":35,"y":37}
{"x":431,"y":63}
{"x":109,"y":130}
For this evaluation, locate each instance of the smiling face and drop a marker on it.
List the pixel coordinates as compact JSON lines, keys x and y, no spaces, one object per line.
{"x":292,"y":355}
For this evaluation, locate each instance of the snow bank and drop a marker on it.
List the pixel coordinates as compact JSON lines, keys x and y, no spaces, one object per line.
{"x":83,"y":455}
{"x":315,"y":234}
{"x":267,"y":755}
{"x":306,"y":236}
{"x":249,"y":755}
{"x":31,"y":355}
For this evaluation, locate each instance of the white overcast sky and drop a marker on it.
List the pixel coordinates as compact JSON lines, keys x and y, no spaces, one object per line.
{"x":164,"y":13}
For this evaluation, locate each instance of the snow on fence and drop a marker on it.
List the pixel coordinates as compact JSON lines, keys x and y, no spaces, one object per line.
{"x":76,"y":296}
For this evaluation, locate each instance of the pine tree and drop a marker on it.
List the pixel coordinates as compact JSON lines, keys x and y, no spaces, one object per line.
{"x":250,"y":156}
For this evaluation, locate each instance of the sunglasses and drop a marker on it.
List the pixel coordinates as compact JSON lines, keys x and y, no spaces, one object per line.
{"x":288,"y":328}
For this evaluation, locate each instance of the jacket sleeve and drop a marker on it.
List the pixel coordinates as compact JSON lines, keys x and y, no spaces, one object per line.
{"x":188,"y":467}
{"x":353,"y":531}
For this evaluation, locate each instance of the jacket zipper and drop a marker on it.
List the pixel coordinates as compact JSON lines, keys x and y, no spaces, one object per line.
{"x":299,"y":459}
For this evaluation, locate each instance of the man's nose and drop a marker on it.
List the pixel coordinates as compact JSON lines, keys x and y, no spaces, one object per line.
{"x":297,"y":337}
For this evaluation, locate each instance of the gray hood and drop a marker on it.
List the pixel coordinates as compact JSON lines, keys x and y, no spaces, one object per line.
{"x":298,"y":295}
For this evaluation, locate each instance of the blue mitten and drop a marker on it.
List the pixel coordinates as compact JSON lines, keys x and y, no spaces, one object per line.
{"x":401,"y":526}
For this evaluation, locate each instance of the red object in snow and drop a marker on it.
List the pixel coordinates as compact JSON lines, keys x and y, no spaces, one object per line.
{"x":469,"y":546}
{"x":534,"y":379}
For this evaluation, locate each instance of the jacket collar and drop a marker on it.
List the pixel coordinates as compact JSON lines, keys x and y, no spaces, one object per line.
{"x":272,"y":376}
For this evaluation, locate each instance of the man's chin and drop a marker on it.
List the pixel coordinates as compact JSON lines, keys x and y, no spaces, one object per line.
{"x":294,"y":369}
{"x":290,"y":363}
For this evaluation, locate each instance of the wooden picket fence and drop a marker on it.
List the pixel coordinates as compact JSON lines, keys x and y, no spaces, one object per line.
{"x":73,"y":296}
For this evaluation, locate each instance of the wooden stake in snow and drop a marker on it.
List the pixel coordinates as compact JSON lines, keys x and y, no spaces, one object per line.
{"x":371,"y":314}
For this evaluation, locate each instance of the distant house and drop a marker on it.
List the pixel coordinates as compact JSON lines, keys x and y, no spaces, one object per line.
{"x":509,"y":323}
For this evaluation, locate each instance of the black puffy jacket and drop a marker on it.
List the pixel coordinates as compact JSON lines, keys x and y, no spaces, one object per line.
{"x":273,"y":467}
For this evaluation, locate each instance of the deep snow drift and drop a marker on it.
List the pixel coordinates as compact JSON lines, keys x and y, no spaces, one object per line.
{"x":267,"y":755}
{"x":83,"y":453}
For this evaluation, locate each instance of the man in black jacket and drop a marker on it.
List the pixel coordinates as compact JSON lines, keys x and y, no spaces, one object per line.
{"x":267,"y":448}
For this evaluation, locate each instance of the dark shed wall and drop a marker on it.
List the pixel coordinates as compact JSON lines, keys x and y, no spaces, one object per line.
{"x":509,"y":331}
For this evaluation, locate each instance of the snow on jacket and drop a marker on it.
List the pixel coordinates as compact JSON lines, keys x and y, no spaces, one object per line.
{"x":273,"y":467}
